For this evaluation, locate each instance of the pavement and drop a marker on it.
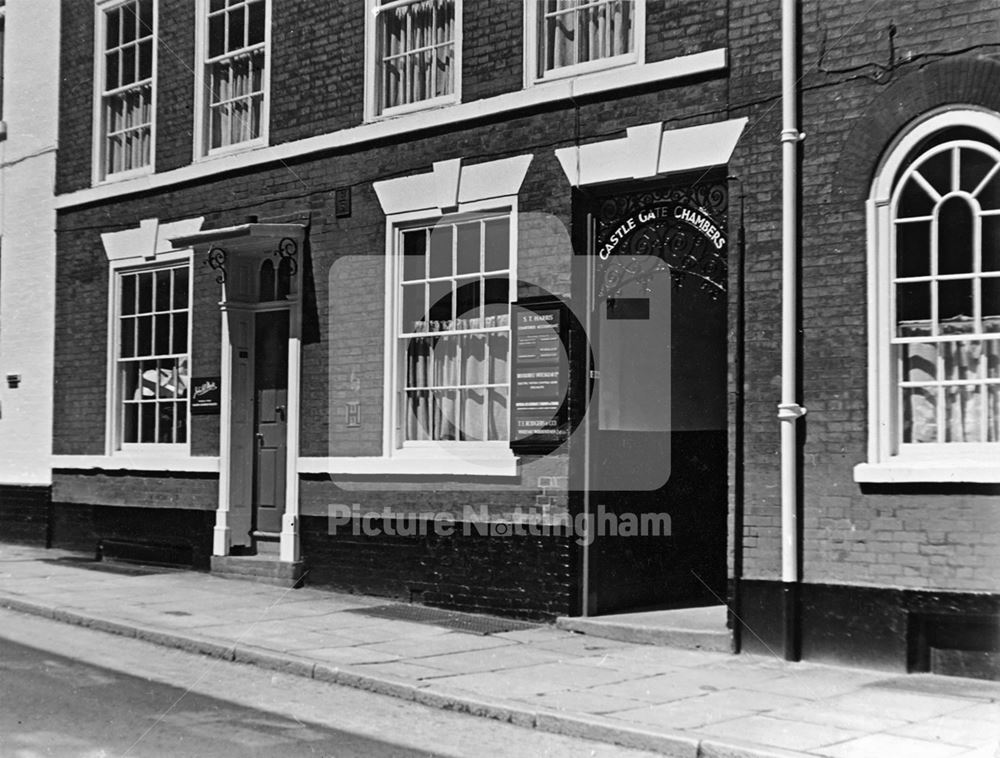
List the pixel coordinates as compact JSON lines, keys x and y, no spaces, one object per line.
{"x":685,"y":703}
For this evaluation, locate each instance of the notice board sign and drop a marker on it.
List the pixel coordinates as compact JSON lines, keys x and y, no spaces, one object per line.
{"x":539,"y":376}
{"x":206,"y":395}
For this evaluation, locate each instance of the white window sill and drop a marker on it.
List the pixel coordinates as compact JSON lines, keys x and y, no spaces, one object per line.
{"x":137,"y":462}
{"x":590,"y":67}
{"x":430,"y":103}
{"x":413,"y":465}
{"x":124,"y":176}
{"x":898,"y":471}
{"x":554,"y":91}
{"x":236,"y":148}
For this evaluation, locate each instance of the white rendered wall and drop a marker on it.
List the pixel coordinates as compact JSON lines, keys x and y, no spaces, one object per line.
{"x":27,"y":226}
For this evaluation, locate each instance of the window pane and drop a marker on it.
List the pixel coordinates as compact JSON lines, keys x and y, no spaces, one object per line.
{"x":914,"y":201}
{"x":467,"y":303}
{"x":497,"y":415}
{"x":146,"y":60}
{"x":991,"y":302}
{"x":112,"y":33}
{"x":418,"y":357}
{"x":145,"y":17}
{"x":128,"y":338}
{"x":128,"y":295}
{"x":147,"y":422}
{"x":163,"y":290}
{"x":111,"y":71}
{"x":180,"y":288}
{"x":474,"y":366}
{"x":937,"y":171}
{"x":913,"y":249}
{"x":130,"y":423}
{"x":180,"y":333}
{"x":963,"y":414}
{"x":468,"y":248}
{"x":414,"y":308}
{"x":162,"y":334}
{"x":913,"y":307}
{"x":473,"y":421}
{"x":180,"y":419}
{"x":216,"y":35}
{"x":440,"y":302}
{"x":145,"y":328}
{"x":256,"y":23}
{"x":989,"y":196}
{"x":993,"y":413}
{"x":145,"y":293}
{"x":130,"y":23}
{"x":974,"y":167}
{"x":955,"y":225}
{"x":130,"y":381}
{"x":414,"y":257}
{"x":440,"y":251}
{"x":919,"y":362}
{"x":497,"y":245}
{"x":919,"y":415}
{"x":499,"y":348}
{"x":237,"y":33}
{"x":955,"y":304}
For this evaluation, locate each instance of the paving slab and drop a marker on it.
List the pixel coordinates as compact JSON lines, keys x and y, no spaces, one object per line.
{"x":873,"y":745}
{"x":682,"y":702}
{"x":783,"y":734}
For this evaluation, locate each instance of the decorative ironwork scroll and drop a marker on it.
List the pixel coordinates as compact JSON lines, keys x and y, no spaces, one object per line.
{"x":287,"y":250}
{"x":680,"y":229}
{"x":217,"y":262}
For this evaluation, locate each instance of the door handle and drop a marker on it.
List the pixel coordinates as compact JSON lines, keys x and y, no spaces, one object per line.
{"x":260,"y":439}
{"x":280,"y":411}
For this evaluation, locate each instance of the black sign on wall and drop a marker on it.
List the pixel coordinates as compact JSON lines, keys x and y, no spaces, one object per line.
{"x":539,"y":376}
{"x":206,"y":395}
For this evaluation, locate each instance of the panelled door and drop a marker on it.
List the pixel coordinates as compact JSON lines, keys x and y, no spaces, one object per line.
{"x":270,"y":419}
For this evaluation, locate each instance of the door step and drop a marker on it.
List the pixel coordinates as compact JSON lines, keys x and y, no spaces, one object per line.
{"x":263,"y":568}
{"x":688,"y":628}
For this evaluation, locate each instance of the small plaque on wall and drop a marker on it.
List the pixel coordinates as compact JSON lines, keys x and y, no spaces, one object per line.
{"x":206,"y":395}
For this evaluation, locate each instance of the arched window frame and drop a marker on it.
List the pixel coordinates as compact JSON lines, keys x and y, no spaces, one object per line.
{"x":889,"y":460}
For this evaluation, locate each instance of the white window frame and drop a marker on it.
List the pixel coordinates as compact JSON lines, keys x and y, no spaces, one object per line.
{"x":373,"y":110}
{"x":99,"y":175}
{"x":202,"y":121}
{"x":532,"y":19}
{"x":395,"y":365}
{"x":889,"y":460}
{"x":115,"y":447}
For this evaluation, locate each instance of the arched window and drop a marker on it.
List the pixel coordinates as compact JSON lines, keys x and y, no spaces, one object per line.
{"x":935,"y":315}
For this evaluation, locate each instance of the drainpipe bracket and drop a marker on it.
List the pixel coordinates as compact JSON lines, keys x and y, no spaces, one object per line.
{"x":790,"y":411}
{"x":792,"y":135}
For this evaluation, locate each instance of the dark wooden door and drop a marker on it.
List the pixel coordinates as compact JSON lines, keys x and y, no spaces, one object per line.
{"x":270,"y":418}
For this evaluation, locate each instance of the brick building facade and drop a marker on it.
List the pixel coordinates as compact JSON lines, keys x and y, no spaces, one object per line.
{"x":265,"y":207}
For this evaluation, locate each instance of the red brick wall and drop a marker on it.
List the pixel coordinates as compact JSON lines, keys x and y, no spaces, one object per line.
{"x":905,"y":536}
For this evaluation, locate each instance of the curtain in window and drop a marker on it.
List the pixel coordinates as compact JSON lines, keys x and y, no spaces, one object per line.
{"x":237,"y":88}
{"x":577,"y":31}
{"x":417,"y":52}
{"x":969,"y":411}
{"x":457,"y":383}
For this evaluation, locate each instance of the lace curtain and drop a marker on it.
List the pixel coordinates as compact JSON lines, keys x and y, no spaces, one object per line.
{"x":575,"y":31}
{"x":970,"y":410}
{"x":457,"y":384}
{"x":417,"y":53}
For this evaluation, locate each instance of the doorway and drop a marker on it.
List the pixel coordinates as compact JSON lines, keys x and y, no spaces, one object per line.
{"x":657,"y":421}
{"x":270,"y":402}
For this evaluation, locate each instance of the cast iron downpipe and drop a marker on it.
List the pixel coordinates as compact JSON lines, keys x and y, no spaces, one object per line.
{"x":789,"y":411}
